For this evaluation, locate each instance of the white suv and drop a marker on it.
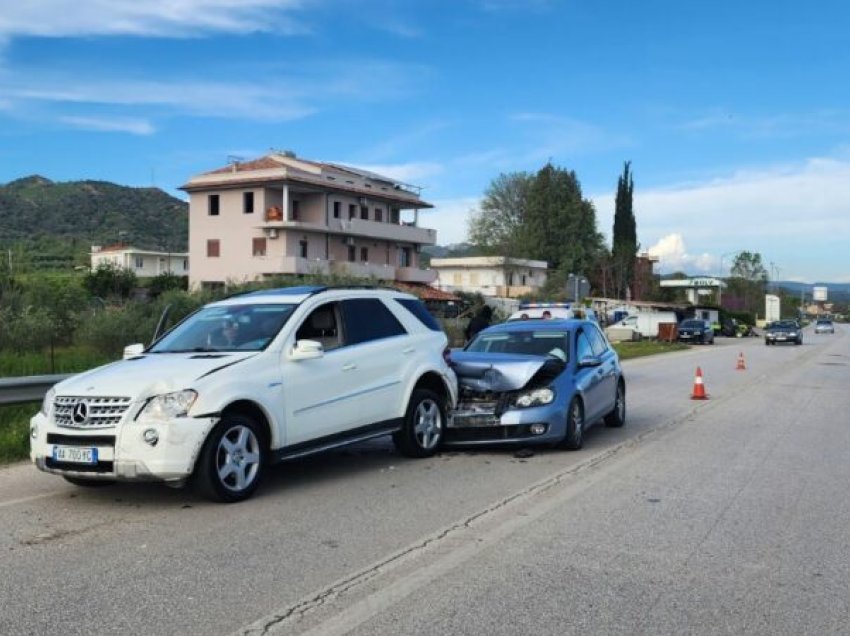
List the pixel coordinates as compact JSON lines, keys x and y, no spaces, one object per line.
{"x":256,"y":378}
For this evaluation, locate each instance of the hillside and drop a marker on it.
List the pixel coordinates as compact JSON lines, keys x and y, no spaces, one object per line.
{"x":36,"y":212}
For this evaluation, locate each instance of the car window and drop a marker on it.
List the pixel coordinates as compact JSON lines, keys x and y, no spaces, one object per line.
{"x":418,"y":309}
{"x":322,"y":325}
{"x":597,"y":341}
{"x":368,"y":319}
{"x":248,"y":327}
{"x":583,"y":347}
{"x":535,"y":343}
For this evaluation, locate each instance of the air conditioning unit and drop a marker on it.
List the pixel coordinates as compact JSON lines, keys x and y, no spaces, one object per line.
{"x":362,"y":200}
{"x":348,"y":240}
{"x":271,"y":233}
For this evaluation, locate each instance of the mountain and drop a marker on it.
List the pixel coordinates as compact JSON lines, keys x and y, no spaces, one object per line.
{"x":35,"y":211}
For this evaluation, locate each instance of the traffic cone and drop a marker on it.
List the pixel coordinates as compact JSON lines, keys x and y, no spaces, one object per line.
{"x":742,"y":366}
{"x":699,"y":387}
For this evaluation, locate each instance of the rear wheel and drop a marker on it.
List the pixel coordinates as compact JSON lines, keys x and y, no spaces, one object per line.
{"x":574,"y":436}
{"x":232,"y":460}
{"x":424,"y":423}
{"x":617,"y":417}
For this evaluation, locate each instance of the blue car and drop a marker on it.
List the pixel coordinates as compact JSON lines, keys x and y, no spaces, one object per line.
{"x":536,"y":381}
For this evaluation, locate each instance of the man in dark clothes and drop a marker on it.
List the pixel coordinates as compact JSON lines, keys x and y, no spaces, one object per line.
{"x":479,"y":322}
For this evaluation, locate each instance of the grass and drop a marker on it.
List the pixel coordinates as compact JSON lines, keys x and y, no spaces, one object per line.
{"x":14,"y":419}
{"x":628,"y":350}
{"x":14,"y":431}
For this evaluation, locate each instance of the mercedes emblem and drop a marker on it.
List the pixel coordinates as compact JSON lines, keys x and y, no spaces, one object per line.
{"x":80,"y":413}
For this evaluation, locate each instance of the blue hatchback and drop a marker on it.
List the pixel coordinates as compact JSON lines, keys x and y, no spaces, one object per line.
{"x":536,"y":381}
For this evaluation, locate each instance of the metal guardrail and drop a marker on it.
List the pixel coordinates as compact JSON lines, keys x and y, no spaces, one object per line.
{"x":31,"y":388}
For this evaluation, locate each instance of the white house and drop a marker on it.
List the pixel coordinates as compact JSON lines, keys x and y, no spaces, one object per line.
{"x":494,"y":276}
{"x":141,"y":262}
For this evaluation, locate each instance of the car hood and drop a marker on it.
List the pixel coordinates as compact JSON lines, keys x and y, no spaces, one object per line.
{"x":149,"y":374}
{"x":496,"y":373}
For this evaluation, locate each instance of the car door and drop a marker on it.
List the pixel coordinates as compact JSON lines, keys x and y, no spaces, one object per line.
{"x":609,"y":368}
{"x":589,"y":379}
{"x":383,"y":350}
{"x":321,"y":395}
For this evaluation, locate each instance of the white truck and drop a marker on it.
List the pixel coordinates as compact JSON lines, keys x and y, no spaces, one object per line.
{"x":645,"y":323}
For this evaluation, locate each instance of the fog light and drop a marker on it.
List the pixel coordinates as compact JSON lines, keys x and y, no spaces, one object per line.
{"x":538,"y":429}
{"x":34,"y":431}
{"x":150,"y":436}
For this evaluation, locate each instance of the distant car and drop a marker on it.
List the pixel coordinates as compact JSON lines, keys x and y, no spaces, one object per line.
{"x":824,"y":325}
{"x":783,"y":331}
{"x":696,"y":330}
{"x":536,"y":382}
{"x":545,"y":311}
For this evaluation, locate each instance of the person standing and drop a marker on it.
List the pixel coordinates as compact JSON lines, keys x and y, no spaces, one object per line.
{"x":480,"y":321}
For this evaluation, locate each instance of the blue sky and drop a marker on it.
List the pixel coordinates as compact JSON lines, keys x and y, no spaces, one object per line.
{"x":735,"y":115}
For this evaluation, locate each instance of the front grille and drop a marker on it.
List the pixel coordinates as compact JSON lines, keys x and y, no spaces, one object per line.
{"x":489,"y":433}
{"x":79,"y":440}
{"x":89,"y":412}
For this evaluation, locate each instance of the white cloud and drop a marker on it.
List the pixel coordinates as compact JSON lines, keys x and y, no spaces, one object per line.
{"x":167,"y":18}
{"x":111,"y":124}
{"x":413,"y":173}
{"x":673,"y":257}
{"x":779,"y":125}
{"x":795,"y":216}
{"x":450,"y":217}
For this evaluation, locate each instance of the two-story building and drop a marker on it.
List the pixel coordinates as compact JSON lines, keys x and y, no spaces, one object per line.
{"x":141,"y":262}
{"x":281,"y":214}
{"x":493,"y":276}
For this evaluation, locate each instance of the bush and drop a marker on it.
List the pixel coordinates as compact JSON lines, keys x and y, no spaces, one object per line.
{"x":166,"y":282}
{"x":110,"y":281}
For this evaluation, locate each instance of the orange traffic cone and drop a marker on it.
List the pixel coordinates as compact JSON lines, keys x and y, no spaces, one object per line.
{"x":699,"y":387}
{"x":742,"y":366}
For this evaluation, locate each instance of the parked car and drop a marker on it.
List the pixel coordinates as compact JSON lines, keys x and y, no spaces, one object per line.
{"x":696,"y":330}
{"x":783,"y":331}
{"x":538,"y":381}
{"x":534,"y":310}
{"x":824,"y":325}
{"x":256,"y":378}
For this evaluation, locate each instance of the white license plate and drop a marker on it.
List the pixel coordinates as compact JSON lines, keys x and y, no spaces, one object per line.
{"x":75,"y":455}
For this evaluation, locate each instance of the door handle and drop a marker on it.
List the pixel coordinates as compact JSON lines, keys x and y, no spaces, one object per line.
{"x":409,"y":350}
{"x":349,"y":367}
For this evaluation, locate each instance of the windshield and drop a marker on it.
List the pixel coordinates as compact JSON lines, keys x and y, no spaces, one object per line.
{"x":231,"y":328}
{"x":693,"y":324}
{"x":536,"y":343}
{"x":784,"y":324}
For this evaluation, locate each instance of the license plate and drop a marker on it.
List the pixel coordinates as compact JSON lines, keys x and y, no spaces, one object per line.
{"x":780,"y":337}
{"x":75,"y":455}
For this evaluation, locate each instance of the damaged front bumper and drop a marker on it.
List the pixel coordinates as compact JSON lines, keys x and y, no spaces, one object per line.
{"x":481,"y":422}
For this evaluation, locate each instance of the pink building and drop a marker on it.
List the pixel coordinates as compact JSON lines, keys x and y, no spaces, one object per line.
{"x":284,"y":215}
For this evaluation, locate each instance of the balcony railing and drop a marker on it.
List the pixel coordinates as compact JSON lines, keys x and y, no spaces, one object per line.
{"x":363,"y":270}
{"x":415,"y":275}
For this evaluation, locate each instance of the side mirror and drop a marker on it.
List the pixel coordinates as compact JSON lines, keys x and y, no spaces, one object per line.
{"x":133,"y":350}
{"x":589,"y":361}
{"x":306,"y":350}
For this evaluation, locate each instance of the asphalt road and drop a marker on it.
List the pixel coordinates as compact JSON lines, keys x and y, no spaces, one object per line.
{"x":723,"y":516}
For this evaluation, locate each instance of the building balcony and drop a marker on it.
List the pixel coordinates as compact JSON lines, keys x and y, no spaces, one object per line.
{"x":385,"y":231}
{"x":415,"y":275}
{"x":363,"y":270}
{"x":298,"y":265}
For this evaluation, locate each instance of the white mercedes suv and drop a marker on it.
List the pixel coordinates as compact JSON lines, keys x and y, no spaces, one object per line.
{"x":247,"y":381}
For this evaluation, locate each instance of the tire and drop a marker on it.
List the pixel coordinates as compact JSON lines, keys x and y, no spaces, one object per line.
{"x":88,"y":483}
{"x":767,"y":343}
{"x":574,"y":435}
{"x":424,"y":424}
{"x":617,"y":417}
{"x":232,"y":461}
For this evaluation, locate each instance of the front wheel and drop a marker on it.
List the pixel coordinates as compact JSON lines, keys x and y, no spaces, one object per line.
{"x":424,"y":423}
{"x":617,"y":417}
{"x":232,"y":460}
{"x":574,"y":436}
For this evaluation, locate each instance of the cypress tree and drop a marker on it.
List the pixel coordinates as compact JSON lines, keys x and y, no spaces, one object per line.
{"x":624,"y":245}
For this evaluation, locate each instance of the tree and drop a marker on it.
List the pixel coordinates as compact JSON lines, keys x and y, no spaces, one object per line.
{"x":747,"y":283}
{"x":624,"y":244}
{"x":110,"y":280}
{"x":496,"y":228}
{"x":560,"y":226}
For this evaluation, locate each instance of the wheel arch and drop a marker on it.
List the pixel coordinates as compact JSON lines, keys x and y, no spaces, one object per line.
{"x":254,"y":411}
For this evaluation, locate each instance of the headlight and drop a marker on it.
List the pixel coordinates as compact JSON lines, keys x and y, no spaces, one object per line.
{"x":48,"y":401}
{"x":537,"y":397}
{"x":168,"y":405}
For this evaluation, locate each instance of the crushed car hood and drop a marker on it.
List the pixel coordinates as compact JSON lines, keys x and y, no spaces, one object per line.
{"x":496,"y":373}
